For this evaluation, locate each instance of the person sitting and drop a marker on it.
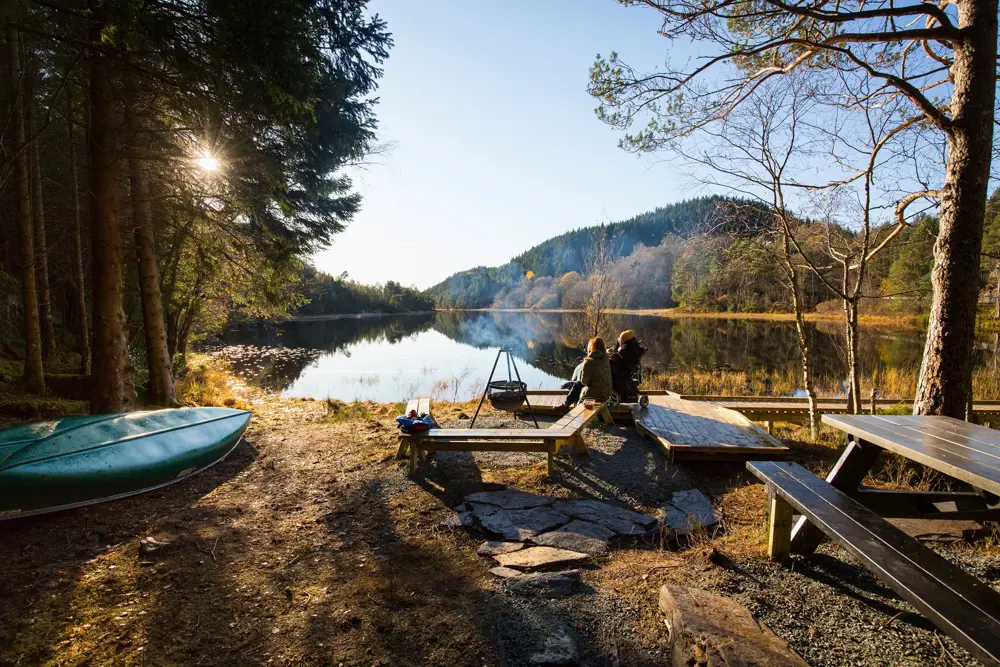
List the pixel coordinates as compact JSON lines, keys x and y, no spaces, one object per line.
{"x":624,"y":358}
{"x":592,"y":378}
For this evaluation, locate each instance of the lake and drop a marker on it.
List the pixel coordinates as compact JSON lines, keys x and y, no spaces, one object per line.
{"x":449,"y":354}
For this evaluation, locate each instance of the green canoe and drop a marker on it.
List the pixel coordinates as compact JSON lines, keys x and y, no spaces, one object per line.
{"x":55,"y":465}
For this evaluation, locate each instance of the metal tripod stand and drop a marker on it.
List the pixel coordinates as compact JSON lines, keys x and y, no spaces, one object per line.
{"x":520,"y":385}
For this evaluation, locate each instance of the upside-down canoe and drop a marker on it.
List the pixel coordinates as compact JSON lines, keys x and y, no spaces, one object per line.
{"x":64,"y":463}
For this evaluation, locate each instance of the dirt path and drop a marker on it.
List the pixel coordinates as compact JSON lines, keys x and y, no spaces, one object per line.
{"x":308,"y":545}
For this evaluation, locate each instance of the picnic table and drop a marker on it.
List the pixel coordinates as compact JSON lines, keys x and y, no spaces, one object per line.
{"x":964,"y":451}
{"x":963,"y":607}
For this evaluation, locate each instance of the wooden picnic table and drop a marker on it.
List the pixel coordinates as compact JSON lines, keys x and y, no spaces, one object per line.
{"x":964,"y":451}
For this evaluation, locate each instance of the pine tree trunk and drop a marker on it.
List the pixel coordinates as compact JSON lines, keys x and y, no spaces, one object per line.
{"x":112,"y":390}
{"x":161,"y":382}
{"x":41,"y":246}
{"x":34,"y":373}
{"x":945,"y":384}
{"x":80,"y":293}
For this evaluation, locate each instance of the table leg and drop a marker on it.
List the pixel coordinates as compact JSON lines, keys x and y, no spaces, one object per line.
{"x":846,"y":476}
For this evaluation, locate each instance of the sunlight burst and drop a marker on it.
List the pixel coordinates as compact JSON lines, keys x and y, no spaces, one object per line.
{"x":207,"y":163}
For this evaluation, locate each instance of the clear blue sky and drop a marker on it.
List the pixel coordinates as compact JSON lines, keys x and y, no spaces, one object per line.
{"x":493,"y":142}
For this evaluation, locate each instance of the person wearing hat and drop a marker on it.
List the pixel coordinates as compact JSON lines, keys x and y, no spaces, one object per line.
{"x":623,"y":359}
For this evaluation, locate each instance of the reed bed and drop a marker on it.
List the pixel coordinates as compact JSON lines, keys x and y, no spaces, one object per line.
{"x":889,"y":383}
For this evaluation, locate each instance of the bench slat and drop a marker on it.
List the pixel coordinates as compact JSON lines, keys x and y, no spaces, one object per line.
{"x":968,"y":465}
{"x":965,"y":608}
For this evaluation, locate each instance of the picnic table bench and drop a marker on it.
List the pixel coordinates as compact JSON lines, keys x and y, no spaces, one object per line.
{"x":565,"y":432}
{"x":963,"y":607}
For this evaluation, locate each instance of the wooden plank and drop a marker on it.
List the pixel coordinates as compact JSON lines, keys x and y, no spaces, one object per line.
{"x":486,"y":446}
{"x":779,"y":528}
{"x":986,"y":440}
{"x":978,"y":469}
{"x":929,"y":505}
{"x":689,"y":429}
{"x":963,"y":607}
{"x":846,"y":475}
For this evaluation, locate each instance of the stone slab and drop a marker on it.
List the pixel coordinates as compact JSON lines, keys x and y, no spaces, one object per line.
{"x":545,"y":584}
{"x":519,"y":525}
{"x":559,"y":648}
{"x":494,"y":548}
{"x":539,"y":557}
{"x":510,"y":499}
{"x":620,"y":520}
{"x":689,"y":511}
{"x":582,"y":536}
{"x":482,"y":509}
{"x":708,"y":629}
{"x":506,"y":572}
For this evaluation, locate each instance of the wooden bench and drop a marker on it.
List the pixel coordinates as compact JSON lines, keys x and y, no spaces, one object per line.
{"x":960,"y":605}
{"x":422,"y":406}
{"x":565,"y":432}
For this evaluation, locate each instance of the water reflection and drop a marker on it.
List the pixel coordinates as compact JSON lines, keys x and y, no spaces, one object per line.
{"x":449,"y":354}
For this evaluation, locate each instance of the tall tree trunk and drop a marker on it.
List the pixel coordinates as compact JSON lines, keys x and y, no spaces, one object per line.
{"x":802,"y":334}
{"x":80,"y":293}
{"x":854,"y":403}
{"x":34,"y":373}
{"x":38,"y":233}
{"x":161,"y":382}
{"x":111,"y":390}
{"x":945,"y":384}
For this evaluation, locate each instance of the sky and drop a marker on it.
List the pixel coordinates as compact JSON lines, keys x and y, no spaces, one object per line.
{"x":492,"y":145}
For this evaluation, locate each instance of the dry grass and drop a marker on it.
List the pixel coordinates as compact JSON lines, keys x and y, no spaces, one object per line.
{"x":207,"y":382}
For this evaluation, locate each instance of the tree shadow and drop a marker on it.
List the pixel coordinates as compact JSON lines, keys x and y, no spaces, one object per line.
{"x":57,"y":563}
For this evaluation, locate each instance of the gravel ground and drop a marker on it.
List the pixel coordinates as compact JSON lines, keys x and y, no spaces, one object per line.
{"x":829,"y":608}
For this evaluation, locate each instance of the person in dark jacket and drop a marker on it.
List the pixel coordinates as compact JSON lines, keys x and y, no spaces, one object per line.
{"x":623,"y":359}
{"x":592,"y":377}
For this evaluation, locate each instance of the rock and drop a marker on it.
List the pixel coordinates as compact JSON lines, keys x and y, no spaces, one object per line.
{"x":621,"y":521}
{"x":460,"y":520}
{"x":707,"y":629}
{"x":539,"y":557}
{"x":151,"y":544}
{"x":493,"y":548}
{"x":518,"y":525}
{"x":546,"y":584}
{"x":506,"y":572}
{"x":510,"y":499}
{"x":689,"y":511}
{"x":559,"y":649}
{"x":482,"y":509}
{"x":583,"y":536}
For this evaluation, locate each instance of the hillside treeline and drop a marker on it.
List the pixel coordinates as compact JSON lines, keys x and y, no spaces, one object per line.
{"x":709,"y":262}
{"x":166,"y":167}
{"x":334,"y":295}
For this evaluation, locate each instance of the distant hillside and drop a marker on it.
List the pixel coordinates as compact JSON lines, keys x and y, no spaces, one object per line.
{"x":566,"y":253}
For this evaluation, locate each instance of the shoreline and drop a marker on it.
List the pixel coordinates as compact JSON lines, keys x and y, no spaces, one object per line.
{"x":678,"y":314}
{"x":351,"y":316}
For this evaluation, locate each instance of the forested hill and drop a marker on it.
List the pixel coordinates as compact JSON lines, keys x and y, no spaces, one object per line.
{"x":567,"y":253}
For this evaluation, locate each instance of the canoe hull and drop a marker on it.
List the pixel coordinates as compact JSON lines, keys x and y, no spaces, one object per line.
{"x":106,"y":457}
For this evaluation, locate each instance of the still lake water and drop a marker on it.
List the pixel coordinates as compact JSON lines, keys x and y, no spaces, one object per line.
{"x":449,"y":354}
